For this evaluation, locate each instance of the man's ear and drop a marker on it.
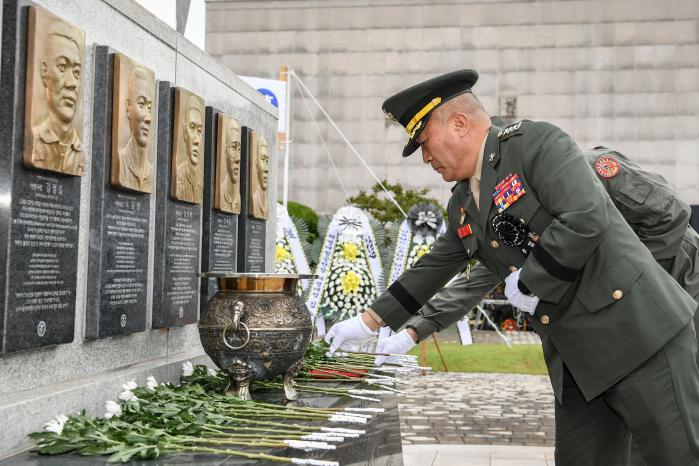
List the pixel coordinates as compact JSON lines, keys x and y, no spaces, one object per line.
{"x":44,"y":71}
{"x":460,"y":122}
{"x":128,"y":108}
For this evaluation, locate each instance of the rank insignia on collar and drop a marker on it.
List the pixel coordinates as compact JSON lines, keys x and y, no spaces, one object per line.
{"x":508,"y":191}
{"x":465,"y":231}
{"x":607,"y":166}
{"x":491,"y":157}
{"x":463,"y":216}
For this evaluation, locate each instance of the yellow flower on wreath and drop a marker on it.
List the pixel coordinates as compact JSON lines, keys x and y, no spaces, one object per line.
{"x":350,"y":283}
{"x":281,"y":253}
{"x":350,"y":251}
{"x":423,"y":249}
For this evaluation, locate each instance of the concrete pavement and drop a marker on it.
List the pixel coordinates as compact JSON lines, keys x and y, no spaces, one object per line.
{"x":471,"y":419}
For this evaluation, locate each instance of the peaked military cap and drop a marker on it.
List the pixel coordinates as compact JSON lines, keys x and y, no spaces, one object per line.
{"x":413,"y":106}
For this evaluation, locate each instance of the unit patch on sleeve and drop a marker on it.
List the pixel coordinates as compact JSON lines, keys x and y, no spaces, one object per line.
{"x":607,"y":166}
{"x":508,"y":191}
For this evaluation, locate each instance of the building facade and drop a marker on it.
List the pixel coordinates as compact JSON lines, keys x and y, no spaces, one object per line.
{"x":620,"y":73}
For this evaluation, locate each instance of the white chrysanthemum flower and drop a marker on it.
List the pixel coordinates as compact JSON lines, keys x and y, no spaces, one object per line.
{"x":187,"y":369}
{"x":113,"y":409}
{"x":127,"y":395}
{"x":212,"y":372}
{"x":151,"y":383}
{"x":56,"y":425}
{"x":130,"y":385}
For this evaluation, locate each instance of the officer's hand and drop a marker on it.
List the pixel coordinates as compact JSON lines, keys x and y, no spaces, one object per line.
{"x":351,"y":332}
{"x":400,"y":343}
{"x":516,"y":297}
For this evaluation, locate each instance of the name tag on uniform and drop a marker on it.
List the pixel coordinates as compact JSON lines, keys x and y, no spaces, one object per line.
{"x":464,"y":231}
{"x":508,"y":191}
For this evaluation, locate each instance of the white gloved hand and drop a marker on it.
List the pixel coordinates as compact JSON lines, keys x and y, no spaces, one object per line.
{"x":351,"y":332}
{"x":516,"y":297}
{"x":400,"y":343}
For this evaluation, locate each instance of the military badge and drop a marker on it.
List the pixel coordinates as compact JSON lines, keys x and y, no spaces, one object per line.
{"x":465,"y":231}
{"x":508,"y":191}
{"x":514,"y":232}
{"x":463,"y":216}
{"x":607,"y":166}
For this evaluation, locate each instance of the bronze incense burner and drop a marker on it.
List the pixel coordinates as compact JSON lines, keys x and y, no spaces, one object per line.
{"x":256,"y":327}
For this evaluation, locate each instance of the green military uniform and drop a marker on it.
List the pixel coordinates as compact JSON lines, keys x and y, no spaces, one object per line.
{"x":613,"y":324}
{"x":647,"y":202}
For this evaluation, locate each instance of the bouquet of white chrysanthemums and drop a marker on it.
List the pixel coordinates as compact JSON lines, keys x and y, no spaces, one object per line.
{"x":350,"y":287}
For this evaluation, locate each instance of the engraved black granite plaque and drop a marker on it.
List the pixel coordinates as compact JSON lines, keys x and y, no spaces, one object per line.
{"x":251,"y":231}
{"x":219,"y":229}
{"x":119,"y":228}
{"x":177,"y":233}
{"x":39,"y":217}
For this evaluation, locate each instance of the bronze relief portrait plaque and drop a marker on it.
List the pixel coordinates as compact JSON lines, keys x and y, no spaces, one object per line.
{"x":258,"y":176}
{"x":227,"y":193}
{"x":187,"y":148}
{"x":133,"y":121}
{"x":54,"y":89}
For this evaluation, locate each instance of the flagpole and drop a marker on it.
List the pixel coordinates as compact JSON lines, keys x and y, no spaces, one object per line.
{"x":285,"y":75}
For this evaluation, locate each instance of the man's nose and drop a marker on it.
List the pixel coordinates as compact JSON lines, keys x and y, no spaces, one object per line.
{"x":426,"y":157}
{"x":70,"y":81}
{"x":147,"y":118}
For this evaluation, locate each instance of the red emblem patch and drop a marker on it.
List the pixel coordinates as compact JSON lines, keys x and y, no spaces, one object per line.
{"x":606,"y":166}
{"x":465,"y":231}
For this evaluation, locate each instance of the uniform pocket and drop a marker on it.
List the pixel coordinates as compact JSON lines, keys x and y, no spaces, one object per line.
{"x":609,"y":287}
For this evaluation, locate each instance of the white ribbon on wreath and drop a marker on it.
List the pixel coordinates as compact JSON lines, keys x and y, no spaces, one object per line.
{"x":287,"y":229}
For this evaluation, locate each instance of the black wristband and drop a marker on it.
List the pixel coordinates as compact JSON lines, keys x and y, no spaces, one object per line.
{"x":523,"y":288}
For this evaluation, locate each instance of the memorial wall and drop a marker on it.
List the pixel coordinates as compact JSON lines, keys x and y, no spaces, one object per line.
{"x":130,"y":161}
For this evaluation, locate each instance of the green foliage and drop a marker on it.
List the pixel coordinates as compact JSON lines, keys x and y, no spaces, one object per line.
{"x":308,"y":215}
{"x":383,"y":209}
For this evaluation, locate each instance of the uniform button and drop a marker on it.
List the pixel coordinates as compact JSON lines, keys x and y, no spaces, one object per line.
{"x":545,"y":319}
{"x":618,"y":294}
{"x":494,"y":244}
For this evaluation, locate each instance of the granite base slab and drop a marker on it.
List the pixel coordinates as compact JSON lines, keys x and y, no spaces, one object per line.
{"x":380,"y":446}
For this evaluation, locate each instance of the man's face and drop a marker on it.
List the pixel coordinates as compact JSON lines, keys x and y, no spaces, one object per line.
{"x":444,"y":150}
{"x":192,"y":134}
{"x":233,"y":152}
{"x":139,"y":110}
{"x":262,"y":164}
{"x":60,"y":73}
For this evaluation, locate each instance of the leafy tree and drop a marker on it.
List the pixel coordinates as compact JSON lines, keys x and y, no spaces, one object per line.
{"x":378,"y":204}
{"x":309,"y":216}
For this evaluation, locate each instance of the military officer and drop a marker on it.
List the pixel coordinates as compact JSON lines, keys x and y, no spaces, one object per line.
{"x":615,"y":327}
{"x":647,"y":202}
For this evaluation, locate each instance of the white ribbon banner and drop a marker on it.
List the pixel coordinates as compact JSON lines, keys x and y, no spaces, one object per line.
{"x":286,"y":227}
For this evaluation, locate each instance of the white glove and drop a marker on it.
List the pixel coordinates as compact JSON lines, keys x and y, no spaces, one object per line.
{"x":351,"y":332}
{"x":516,"y":297}
{"x":400,"y":343}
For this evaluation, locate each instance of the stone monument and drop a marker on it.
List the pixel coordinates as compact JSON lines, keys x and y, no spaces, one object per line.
{"x":123,"y":142}
{"x":40,"y":203}
{"x":253,"y":187}
{"x":221,"y":199}
{"x":178,"y":209}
